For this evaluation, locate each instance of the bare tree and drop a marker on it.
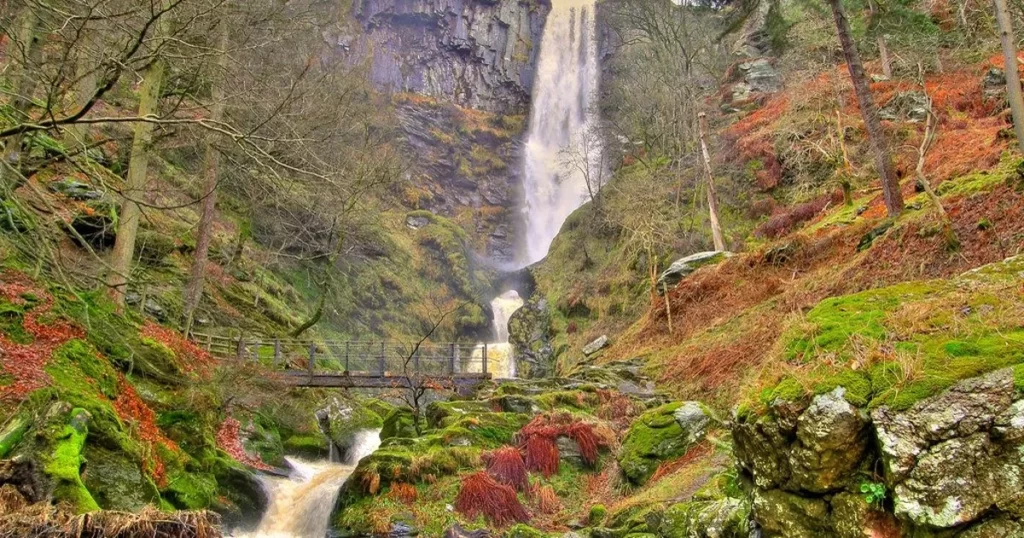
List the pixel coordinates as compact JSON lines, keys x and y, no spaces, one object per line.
{"x":412,"y":383}
{"x":876,"y":137}
{"x":716,"y":226}
{"x":585,"y":156}
{"x":1013,"y":92}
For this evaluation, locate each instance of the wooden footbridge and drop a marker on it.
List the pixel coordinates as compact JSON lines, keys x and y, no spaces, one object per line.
{"x":355,"y":363}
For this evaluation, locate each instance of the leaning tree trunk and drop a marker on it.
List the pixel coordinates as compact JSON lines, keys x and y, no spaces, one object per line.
{"x":138,"y":167}
{"x":211,"y":164}
{"x":1013,"y":93}
{"x":716,"y":227}
{"x":883,"y":160}
{"x":31,"y":41}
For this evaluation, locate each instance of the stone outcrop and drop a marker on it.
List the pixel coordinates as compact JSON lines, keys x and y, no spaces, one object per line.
{"x":660,"y":434}
{"x":531,"y":334}
{"x":474,"y":53}
{"x":949,"y":464}
{"x":683,"y":267}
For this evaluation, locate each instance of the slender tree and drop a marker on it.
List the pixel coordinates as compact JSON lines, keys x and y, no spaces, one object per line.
{"x":883,"y":160}
{"x":211,"y":177}
{"x":30,"y":42}
{"x":1013,"y":93}
{"x":716,"y":226}
{"x":138,"y":168}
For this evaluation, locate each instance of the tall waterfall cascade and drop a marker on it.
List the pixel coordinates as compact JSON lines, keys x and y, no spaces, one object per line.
{"x":562,"y":123}
{"x":560,"y":146}
{"x":301,"y":505}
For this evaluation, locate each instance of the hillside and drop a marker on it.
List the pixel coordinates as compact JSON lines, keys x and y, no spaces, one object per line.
{"x":737,"y":332}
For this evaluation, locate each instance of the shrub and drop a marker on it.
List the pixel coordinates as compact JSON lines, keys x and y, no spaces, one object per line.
{"x":546,"y":500}
{"x":584,"y":436}
{"x":482,"y":495}
{"x":506,"y":465}
{"x":541,"y":454}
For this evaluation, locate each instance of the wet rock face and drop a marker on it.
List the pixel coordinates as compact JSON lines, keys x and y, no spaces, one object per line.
{"x":955,"y":457}
{"x":952,"y":461}
{"x":530,"y":334}
{"x":475,"y":53}
{"x":341,"y":421}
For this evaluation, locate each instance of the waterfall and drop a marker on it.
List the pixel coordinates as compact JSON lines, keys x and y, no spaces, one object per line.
{"x":501,"y":360}
{"x":301,"y":505}
{"x":562,"y":117}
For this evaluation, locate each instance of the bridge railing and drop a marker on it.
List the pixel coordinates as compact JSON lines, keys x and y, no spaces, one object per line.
{"x":352,"y":357}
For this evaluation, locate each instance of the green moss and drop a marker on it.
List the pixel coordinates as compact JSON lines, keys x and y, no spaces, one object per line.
{"x":64,"y":463}
{"x":190,"y":490}
{"x":520,"y":530}
{"x":306,"y":446}
{"x":12,"y":434}
{"x":857,"y":385}
{"x":654,"y":437}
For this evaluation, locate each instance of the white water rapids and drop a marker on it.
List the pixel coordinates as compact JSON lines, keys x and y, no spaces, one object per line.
{"x":561,"y":122}
{"x":301,"y":505}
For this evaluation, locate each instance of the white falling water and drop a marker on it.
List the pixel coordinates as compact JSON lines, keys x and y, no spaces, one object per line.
{"x":301,"y":505}
{"x":561,"y":114}
{"x":500,"y":358}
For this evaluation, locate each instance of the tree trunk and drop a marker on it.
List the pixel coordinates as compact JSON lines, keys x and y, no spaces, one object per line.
{"x":883,"y":160}
{"x":138,"y":167}
{"x":716,"y":227}
{"x":211,"y":164}
{"x":1013,"y":93}
{"x":32,"y":41}
{"x":76,"y":135}
{"x":883,"y":47}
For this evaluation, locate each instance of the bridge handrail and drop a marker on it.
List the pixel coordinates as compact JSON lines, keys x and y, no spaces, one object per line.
{"x":368,"y":356}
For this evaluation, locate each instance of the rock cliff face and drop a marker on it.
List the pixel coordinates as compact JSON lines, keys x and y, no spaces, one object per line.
{"x":474,"y":53}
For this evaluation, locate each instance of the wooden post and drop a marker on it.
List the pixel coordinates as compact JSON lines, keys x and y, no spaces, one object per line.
{"x":241,"y":347}
{"x":346,"y":357}
{"x":277,"y":352}
{"x":383,"y":360}
{"x":256,"y":351}
{"x":312,"y":359}
{"x":484,"y":367}
{"x":209,"y":342}
{"x":451,"y":359}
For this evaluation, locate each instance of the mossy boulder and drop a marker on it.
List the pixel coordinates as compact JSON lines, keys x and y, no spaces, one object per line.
{"x":788,"y":515}
{"x":310,"y":447}
{"x":241,"y":499}
{"x":342,"y":421}
{"x":654,"y":437}
{"x":64,"y":460}
{"x":399,"y":422}
{"x":442,"y":414}
{"x":726,"y":518}
{"x":531,"y":333}
{"x":116,"y":481}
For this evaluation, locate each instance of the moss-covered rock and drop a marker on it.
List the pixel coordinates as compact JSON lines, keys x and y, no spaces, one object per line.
{"x":520,"y":530}
{"x":342,"y":421}
{"x":399,"y":422}
{"x":726,"y":518}
{"x":782,"y":514}
{"x":115,"y":480}
{"x":310,"y":447}
{"x":442,"y":414}
{"x":64,"y":461}
{"x":654,"y":437}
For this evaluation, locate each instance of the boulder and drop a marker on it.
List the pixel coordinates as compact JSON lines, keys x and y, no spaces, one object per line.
{"x":341,"y":421}
{"x":802,"y":448}
{"x":726,"y":518}
{"x":76,"y":190}
{"x":682,"y":267}
{"x":953,"y":458}
{"x":443,"y":414}
{"x":908,"y":106}
{"x":399,"y":422}
{"x":415,"y":222}
{"x":853,"y":517}
{"x":654,"y":437}
{"x":694,"y":419}
{"x":760,"y":75}
{"x":531,"y":336}
{"x":993,"y":85}
{"x":831,"y":439}
{"x":569,"y":450}
{"x":456,"y":531}
{"x":785,"y":515}
{"x":596,"y":345}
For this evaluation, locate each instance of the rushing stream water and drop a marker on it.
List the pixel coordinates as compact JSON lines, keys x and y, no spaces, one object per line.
{"x":301,"y":505}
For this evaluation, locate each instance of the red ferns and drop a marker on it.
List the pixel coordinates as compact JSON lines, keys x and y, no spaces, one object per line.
{"x":506,"y":465}
{"x":498,"y":503}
